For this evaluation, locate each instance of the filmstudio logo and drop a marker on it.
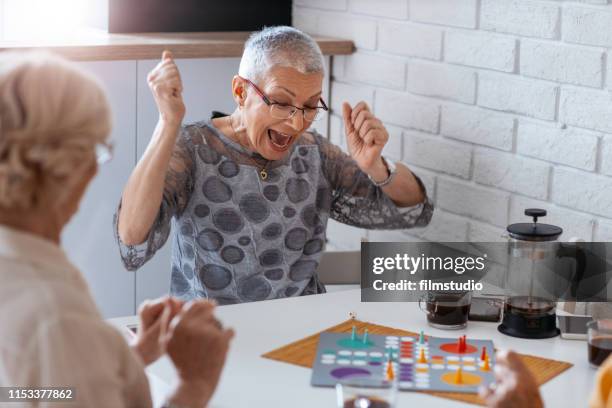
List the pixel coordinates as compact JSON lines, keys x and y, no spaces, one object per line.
{"x":412,"y":264}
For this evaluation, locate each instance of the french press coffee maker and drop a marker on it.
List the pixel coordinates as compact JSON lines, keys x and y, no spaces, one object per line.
{"x":530,"y":304}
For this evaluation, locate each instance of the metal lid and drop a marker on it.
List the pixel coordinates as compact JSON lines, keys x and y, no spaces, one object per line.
{"x":534,"y":231}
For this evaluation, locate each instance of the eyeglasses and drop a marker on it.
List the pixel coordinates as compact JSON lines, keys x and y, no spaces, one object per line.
{"x":104,"y":152}
{"x":285,"y":111}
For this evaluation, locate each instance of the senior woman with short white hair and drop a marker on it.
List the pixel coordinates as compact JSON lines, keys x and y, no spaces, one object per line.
{"x":250,"y":193}
{"x":54,"y":124}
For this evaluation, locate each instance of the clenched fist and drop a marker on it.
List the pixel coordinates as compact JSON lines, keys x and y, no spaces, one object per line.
{"x":365,"y":135}
{"x":515,"y":387}
{"x":197,"y":344}
{"x":148,"y":343}
{"x":167,"y":88}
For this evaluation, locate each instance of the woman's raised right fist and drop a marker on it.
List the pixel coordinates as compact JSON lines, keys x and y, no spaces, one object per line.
{"x":166,"y":85}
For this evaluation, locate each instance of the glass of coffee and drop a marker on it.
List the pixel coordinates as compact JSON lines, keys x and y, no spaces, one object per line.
{"x":599,"y":334}
{"x":447,"y":310}
{"x":366,"y":392}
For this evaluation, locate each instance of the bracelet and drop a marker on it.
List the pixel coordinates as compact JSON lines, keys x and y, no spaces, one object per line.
{"x":390,"y":168}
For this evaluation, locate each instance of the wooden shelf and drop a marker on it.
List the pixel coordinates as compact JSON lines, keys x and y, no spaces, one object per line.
{"x":97,"y":45}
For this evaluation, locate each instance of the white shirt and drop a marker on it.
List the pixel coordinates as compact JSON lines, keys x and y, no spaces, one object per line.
{"x":51,"y":333}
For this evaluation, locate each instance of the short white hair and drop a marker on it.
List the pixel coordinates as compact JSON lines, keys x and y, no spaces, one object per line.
{"x":52,"y":114}
{"x":280,"y":46}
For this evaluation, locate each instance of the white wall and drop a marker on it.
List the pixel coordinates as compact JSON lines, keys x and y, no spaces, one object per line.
{"x":498,"y":105}
{"x":89,"y":238}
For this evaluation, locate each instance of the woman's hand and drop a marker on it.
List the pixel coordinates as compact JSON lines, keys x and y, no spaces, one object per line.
{"x":515,"y":387}
{"x":366,"y":136}
{"x":197,"y":344}
{"x":149,"y":343}
{"x":166,"y":85}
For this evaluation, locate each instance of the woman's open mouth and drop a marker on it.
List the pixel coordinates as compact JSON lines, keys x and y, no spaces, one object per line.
{"x":280,"y":141}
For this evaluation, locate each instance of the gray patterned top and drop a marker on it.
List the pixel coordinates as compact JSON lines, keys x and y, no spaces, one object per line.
{"x":238,"y":238}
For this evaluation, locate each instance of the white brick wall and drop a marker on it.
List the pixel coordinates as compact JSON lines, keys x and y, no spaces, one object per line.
{"x":442,"y":81}
{"x":438,"y":154}
{"x":469,"y":199}
{"x":351,"y":93}
{"x":324,"y":4}
{"x":406,"y":110}
{"x":571,"y":146}
{"x":512,"y":173}
{"x":412,"y":40}
{"x":367,"y":68}
{"x":512,"y":94}
{"x":584,"y":25}
{"x":586,"y":108}
{"x":603,"y":231}
{"x":383,"y":8}
{"x":480,"y":49}
{"x":563,"y":63}
{"x":584,"y":191}
{"x":460,"y":13}
{"x":609,"y":73}
{"x":498,"y":105}
{"x":606,"y":155}
{"x":528,"y":18}
{"x":445,"y":227}
{"x":479,"y":126}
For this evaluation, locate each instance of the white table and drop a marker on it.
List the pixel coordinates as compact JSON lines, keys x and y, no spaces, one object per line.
{"x":252,"y":381}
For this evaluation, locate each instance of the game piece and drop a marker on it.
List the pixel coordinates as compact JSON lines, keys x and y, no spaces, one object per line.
{"x":422,"y":358}
{"x":429,"y":366}
{"x":421,"y":337}
{"x":486,"y":366}
{"x":460,"y":345}
{"x":459,"y":376}
{"x":354,"y":334}
{"x":390,"y":373}
{"x":365,"y":336}
{"x":483,"y":354}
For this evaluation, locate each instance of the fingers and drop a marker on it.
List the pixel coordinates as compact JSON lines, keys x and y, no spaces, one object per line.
{"x":357,"y":109}
{"x":346,"y":115}
{"x":150,"y":310}
{"x":485,"y":393}
{"x":229,"y":334}
{"x":167,"y":55}
{"x":366,"y":131}
{"x":361,"y":118}
{"x":359,"y":121}
{"x":165,"y":78}
{"x":166,"y":320}
{"x":514,"y":360}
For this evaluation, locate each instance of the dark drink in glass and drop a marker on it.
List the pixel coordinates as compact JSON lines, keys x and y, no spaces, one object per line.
{"x":600,"y":341}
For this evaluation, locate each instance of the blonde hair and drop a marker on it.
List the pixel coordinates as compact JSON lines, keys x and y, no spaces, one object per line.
{"x":52,"y":115}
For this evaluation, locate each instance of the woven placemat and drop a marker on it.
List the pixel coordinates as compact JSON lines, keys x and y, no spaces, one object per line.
{"x":303,"y":353}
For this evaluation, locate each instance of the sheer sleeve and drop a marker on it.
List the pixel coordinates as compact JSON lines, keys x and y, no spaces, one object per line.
{"x":358,"y":202}
{"x":177,"y":191}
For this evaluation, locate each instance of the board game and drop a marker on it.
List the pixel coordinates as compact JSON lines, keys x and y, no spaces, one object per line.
{"x":416,"y":363}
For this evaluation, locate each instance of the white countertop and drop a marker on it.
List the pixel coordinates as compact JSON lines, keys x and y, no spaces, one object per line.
{"x":252,"y":381}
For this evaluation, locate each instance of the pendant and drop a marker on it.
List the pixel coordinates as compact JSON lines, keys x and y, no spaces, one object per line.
{"x":264,"y":174}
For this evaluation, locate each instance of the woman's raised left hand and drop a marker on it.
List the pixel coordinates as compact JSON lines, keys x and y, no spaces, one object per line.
{"x":366,"y":136}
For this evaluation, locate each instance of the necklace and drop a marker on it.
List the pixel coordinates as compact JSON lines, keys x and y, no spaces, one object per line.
{"x":263,"y":173}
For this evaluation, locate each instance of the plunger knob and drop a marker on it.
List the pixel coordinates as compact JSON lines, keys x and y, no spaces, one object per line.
{"x":535,"y":213}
